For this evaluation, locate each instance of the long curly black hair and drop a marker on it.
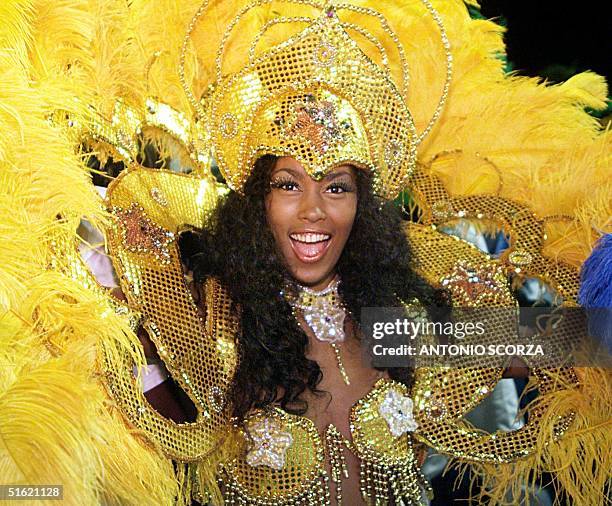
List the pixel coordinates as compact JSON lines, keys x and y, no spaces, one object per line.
{"x":239,"y":249}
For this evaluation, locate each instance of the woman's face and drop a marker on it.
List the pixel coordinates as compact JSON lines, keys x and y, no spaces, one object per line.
{"x":311,"y":220}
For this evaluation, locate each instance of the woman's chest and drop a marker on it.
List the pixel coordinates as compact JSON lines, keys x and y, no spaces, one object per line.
{"x":346,"y":378}
{"x":353,"y":442}
{"x":287,"y":459}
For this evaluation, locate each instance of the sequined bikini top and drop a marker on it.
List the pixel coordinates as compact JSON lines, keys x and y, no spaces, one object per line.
{"x":280,"y":458}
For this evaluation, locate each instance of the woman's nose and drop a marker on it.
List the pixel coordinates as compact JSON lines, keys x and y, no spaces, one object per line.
{"x":312,"y":207}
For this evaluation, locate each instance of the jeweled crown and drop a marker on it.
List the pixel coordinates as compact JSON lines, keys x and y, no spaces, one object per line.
{"x":316,"y":96}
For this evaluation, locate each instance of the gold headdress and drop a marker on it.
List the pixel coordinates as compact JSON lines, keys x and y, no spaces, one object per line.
{"x":316,"y":96}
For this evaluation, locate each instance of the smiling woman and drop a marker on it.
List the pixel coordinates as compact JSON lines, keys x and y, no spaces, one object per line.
{"x":300,"y":257}
{"x":288,"y":228}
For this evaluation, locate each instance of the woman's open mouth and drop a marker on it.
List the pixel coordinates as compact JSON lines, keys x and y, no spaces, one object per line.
{"x":310,"y":247}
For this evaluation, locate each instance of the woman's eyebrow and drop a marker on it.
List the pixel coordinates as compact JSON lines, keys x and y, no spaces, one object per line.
{"x":335,"y":175}
{"x":291,"y":171}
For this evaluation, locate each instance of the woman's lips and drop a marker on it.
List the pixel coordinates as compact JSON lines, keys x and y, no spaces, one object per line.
{"x":309,"y":252}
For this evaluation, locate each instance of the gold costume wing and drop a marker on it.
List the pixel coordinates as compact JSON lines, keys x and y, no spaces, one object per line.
{"x":506,"y":190}
{"x":151,"y":208}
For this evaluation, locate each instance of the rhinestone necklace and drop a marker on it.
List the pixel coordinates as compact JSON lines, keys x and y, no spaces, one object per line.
{"x":324,"y":313}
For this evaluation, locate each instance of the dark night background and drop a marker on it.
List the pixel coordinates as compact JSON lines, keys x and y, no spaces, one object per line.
{"x":554,"y":39}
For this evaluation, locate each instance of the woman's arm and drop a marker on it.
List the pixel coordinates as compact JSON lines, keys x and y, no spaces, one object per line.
{"x":516,"y":369}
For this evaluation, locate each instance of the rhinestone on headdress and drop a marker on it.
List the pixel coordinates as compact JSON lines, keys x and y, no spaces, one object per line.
{"x":317,"y":122}
{"x":324,"y":54}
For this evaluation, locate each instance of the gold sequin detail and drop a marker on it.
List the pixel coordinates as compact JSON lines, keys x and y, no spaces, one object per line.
{"x":317,"y":122}
{"x":229,"y":125}
{"x":301,"y":480}
{"x":141,"y":235}
{"x":324,"y":54}
{"x":158,"y":196}
{"x":520,"y":257}
{"x":442,"y":395}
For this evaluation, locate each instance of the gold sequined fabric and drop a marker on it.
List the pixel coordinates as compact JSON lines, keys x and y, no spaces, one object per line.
{"x":318,"y":98}
{"x":151,"y":208}
{"x":281,"y":460}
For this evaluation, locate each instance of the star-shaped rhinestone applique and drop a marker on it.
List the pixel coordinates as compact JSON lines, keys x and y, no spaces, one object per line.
{"x":269,"y":444}
{"x":316,"y":121}
{"x":141,"y":235}
{"x":396,"y":409}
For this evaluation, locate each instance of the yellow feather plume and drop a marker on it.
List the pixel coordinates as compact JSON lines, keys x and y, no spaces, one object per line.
{"x":580,"y":467}
{"x":57,"y":425}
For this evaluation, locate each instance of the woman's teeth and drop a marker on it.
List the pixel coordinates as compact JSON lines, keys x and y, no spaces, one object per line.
{"x":310,"y":247}
{"x":310,"y":238}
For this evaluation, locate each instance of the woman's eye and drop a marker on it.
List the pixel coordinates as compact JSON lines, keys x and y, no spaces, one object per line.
{"x":288,"y":186}
{"x":338,"y":188}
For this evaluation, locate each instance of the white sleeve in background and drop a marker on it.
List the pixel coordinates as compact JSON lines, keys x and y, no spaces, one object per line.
{"x":151,"y":375}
